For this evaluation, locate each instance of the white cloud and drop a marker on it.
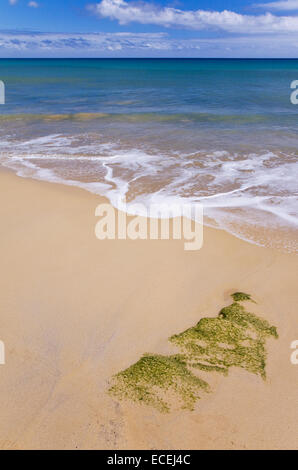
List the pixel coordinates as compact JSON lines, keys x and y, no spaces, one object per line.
{"x":13,"y":2}
{"x":27,"y":44}
{"x":229,"y":21}
{"x":83,"y":41}
{"x":282,"y":5}
{"x":33,"y":4}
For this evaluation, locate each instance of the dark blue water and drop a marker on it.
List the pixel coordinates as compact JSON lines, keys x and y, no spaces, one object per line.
{"x":194,"y":86}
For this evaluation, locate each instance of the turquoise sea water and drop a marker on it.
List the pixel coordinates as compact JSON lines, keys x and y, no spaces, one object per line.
{"x":219,"y":132}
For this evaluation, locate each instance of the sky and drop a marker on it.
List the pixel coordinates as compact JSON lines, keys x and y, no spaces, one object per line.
{"x":160,"y":28}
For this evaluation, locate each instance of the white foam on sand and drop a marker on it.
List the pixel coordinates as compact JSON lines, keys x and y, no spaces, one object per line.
{"x":257,"y":190}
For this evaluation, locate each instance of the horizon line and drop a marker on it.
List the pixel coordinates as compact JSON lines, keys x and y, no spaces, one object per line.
{"x":148,"y":58}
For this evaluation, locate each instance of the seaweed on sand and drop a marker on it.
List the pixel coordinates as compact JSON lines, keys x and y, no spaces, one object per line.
{"x":235,"y":338}
{"x":153,"y":374}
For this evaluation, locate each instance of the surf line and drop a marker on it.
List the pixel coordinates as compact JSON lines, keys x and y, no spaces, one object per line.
{"x":156,"y":222}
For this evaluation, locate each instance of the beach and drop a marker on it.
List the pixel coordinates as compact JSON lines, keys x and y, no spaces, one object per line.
{"x":159,"y":132}
{"x":76,"y":310}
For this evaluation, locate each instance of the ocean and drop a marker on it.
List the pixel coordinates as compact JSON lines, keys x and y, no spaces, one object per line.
{"x":218,"y":132}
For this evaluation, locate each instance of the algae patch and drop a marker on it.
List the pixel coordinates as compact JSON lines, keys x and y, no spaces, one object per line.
{"x":241,"y":296}
{"x":235,"y":338}
{"x":148,"y":379}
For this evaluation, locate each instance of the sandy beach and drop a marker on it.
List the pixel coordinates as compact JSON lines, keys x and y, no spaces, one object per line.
{"x":76,"y":310}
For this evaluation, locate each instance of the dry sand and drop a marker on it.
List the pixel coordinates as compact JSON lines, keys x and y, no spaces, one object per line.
{"x":76,"y":310}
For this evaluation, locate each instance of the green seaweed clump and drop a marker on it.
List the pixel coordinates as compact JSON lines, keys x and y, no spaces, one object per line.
{"x":235,"y":338}
{"x":240,"y":296}
{"x":148,"y":379}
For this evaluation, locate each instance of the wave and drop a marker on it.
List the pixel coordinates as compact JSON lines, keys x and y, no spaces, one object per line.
{"x":248,"y":194}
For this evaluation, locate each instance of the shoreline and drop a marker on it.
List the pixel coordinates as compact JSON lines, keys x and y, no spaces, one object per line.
{"x":281,"y":238}
{"x":92,"y":308}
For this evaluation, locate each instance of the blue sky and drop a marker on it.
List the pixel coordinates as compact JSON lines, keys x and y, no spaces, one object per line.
{"x":163,"y":28}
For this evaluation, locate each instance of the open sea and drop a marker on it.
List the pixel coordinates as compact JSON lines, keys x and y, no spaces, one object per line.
{"x":222,"y":133}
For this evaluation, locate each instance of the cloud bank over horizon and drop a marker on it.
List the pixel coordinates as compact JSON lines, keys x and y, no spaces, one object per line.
{"x":128,"y":44}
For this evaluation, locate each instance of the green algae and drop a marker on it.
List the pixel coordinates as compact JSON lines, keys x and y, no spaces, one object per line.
{"x":152,"y":374}
{"x":236,"y":313}
{"x":235,"y":338}
{"x":240,"y":296}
